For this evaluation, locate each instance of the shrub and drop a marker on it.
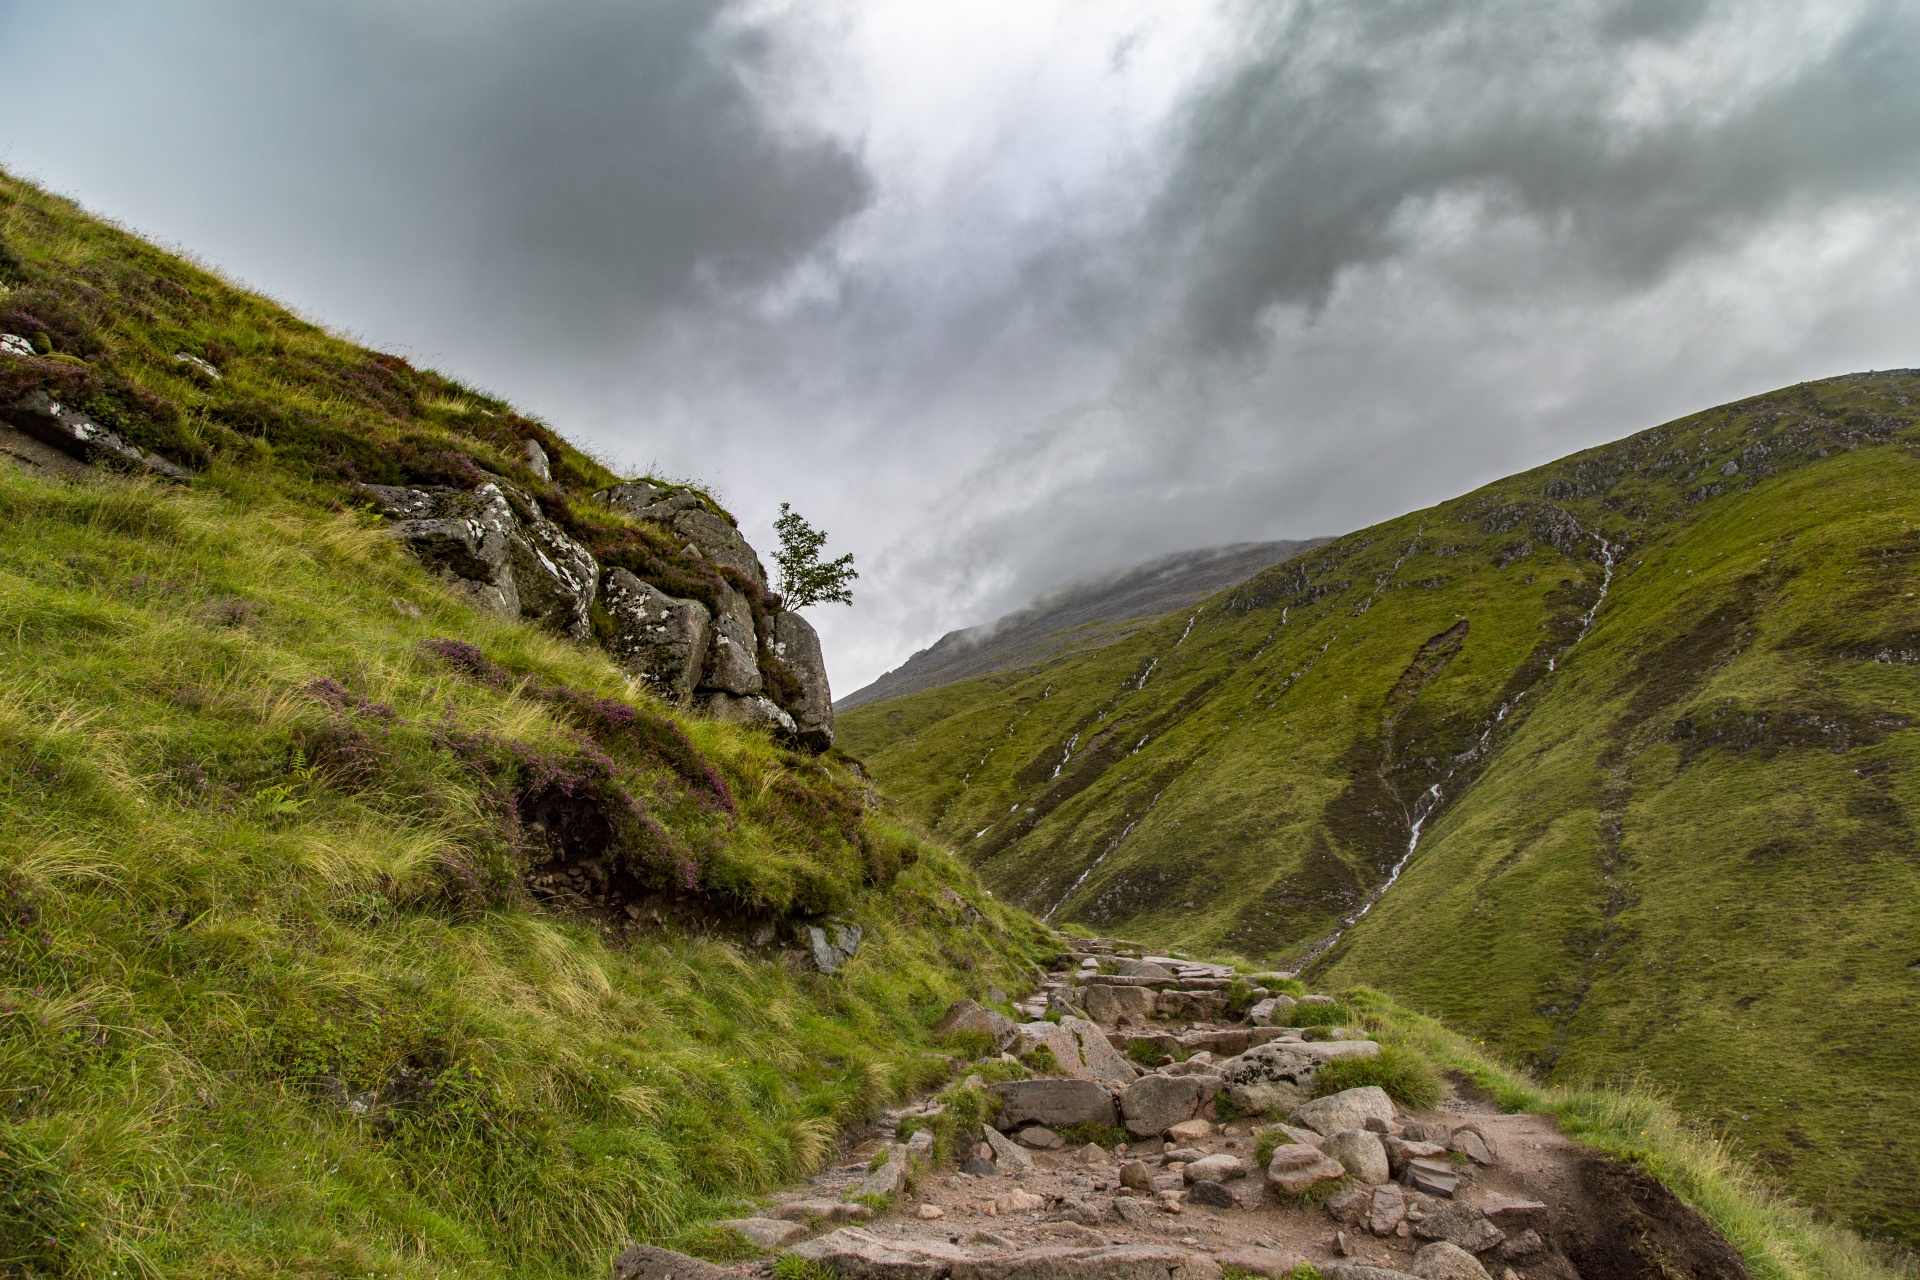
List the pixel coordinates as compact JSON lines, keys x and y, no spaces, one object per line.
{"x":1319,"y":1015}
{"x":716,"y":1244}
{"x":1101,"y":1135}
{"x":791,"y":1266}
{"x":1408,"y":1078}
{"x":1000,"y":1070}
{"x":1146,"y":1053}
{"x":1040,"y":1061}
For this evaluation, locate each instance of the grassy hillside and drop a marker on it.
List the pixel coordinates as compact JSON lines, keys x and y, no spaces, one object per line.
{"x":1664,"y":831}
{"x":346,"y":931}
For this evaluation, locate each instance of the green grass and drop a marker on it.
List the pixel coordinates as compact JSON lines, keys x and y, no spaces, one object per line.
{"x":1404,"y":1073}
{"x":277,"y":993}
{"x":1684,"y":853}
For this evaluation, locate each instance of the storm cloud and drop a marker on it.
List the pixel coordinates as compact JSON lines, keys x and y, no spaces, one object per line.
{"x":1018,"y":292}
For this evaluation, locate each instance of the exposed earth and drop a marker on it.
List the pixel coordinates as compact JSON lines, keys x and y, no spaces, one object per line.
{"x":1353,"y":1185}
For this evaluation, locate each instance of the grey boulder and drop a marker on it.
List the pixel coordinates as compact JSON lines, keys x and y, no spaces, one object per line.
{"x":752,"y":712}
{"x":797,"y":646}
{"x":1462,"y":1225}
{"x":1443,"y":1261}
{"x":966,"y":1017}
{"x":681,"y":510}
{"x":1360,"y":1153}
{"x":733,"y":662}
{"x":1153,"y":1104}
{"x":768,"y":1233}
{"x":662,"y":639}
{"x":462,"y":535}
{"x":1053,"y":1103}
{"x":1348,"y":1109}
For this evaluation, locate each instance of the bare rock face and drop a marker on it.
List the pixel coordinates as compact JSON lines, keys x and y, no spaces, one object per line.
{"x":658,"y":637}
{"x":684,"y":513}
{"x":754,"y":712}
{"x":1362,"y":1155}
{"x":797,"y":645}
{"x":73,"y":433}
{"x":518,"y":568}
{"x":556,"y":576}
{"x":732,"y":655}
{"x":460,"y":535}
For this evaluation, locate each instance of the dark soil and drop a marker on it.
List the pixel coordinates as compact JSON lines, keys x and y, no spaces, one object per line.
{"x":1630,"y":1227}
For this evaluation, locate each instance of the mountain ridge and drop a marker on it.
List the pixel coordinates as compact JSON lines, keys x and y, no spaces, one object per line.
{"x":1083,"y":615}
{"x":1245,"y":779}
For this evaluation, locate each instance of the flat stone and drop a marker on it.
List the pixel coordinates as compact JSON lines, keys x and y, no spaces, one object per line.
{"x":1471,"y":1144}
{"x":1053,"y":1104}
{"x":1461,"y":1225}
{"x":979,"y":1167}
{"x":645,"y":1262}
{"x":1005,"y":1152}
{"x":1074,"y":1232}
{"x":1444,"y":1261}
{"x":1347,"y":1109}
{"x":1222,"y":1167}
{"x":1427,"y":1131}
{"x":1088,"y":1211}
{"x":854,"y":1254}
{"x":1118,"y":1262}
{"x":823,"y":1211}
{"x":1039,"y":1137}
{"x":1019,"y":1202}
{"x":1512,"y":1215}
{"x":1359,"y":1150}
{"x":1107,"y":1004}
{"x":1400,"y":1150}
{"x":1190,"y":1131}
{"x":1297,"y":1168}
{"x":768,"y":1233}
{"x":1434,"y":1177}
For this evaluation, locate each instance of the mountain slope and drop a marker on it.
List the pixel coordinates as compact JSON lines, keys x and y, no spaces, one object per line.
{"x":1647,"y":713}
{"x":1085,"y":616}
{"x":346,"y":926}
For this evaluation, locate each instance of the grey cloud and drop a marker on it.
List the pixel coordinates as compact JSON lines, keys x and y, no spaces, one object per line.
{"x":1307,"y":159}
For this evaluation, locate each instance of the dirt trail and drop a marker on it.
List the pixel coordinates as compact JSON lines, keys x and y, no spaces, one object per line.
{"x":1529,"y":1203}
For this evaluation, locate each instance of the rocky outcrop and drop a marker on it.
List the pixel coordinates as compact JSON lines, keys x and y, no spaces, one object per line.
{"x":688,"y":516}
{"x":508,"y":564}
{"x":495,"y":545}
{"x":797,"y":646}
{"x":459,"y":534}
{"x":73,"y":433}
{"x":660,"y":638}
{"x":732,"y":664}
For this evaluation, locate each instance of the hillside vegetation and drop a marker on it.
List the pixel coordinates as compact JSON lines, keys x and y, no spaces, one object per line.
{"x":344,"y":929}
{"x":1647,"y":713}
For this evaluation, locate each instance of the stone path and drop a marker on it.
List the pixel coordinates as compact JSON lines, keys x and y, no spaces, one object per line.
{"x":1351,"y":1184}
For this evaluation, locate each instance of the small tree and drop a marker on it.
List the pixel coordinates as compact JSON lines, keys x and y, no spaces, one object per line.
{"x":804,"y":580}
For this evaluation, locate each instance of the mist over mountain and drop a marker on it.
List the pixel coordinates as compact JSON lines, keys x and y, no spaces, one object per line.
{"x":1083,"y":616}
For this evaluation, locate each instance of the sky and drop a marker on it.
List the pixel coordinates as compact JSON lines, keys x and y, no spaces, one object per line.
{"x":1011,"y":293}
